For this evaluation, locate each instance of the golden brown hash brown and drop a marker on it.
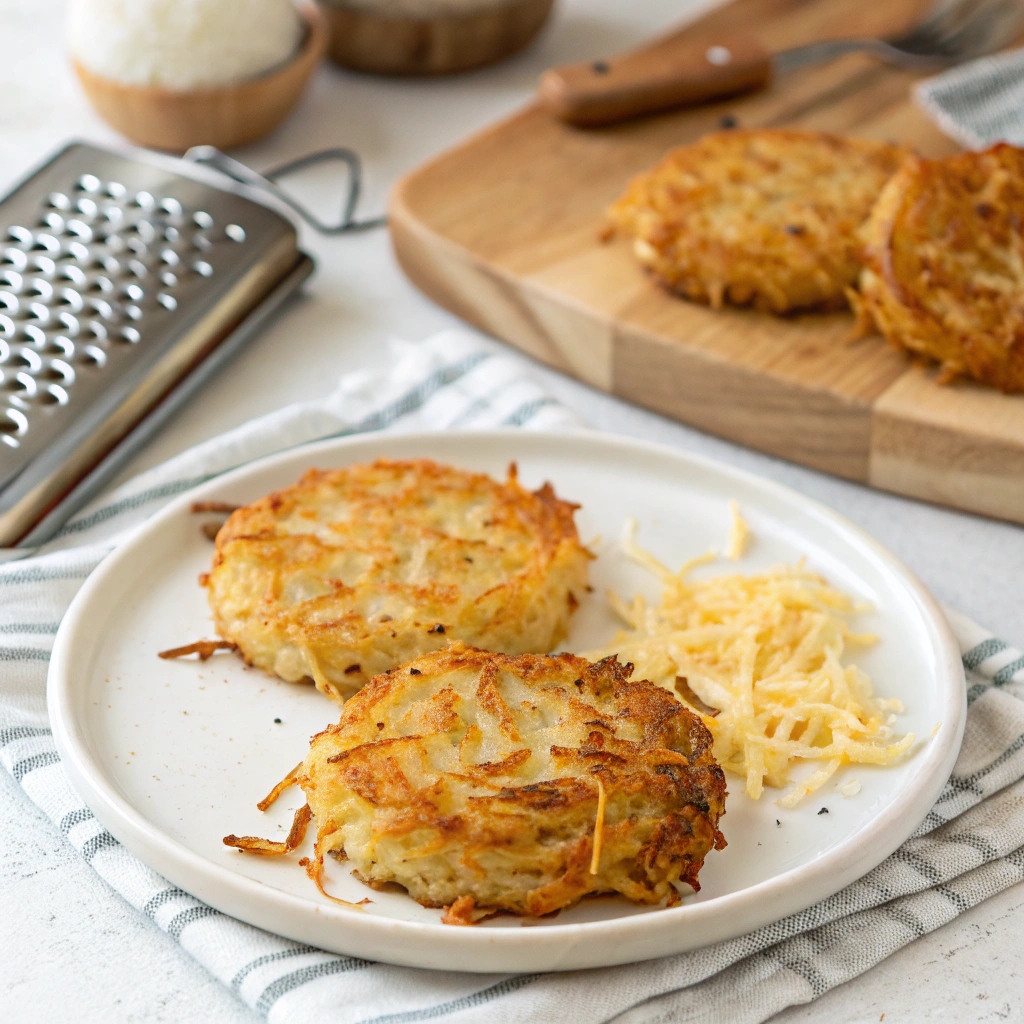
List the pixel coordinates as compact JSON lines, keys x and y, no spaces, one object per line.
{"x":767,"y":218}
{"x":482,"y":782}
{"x":350,"y":572}
{"x":944,"y":264}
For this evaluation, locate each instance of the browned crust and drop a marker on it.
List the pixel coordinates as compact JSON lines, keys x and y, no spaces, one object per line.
{"x":761,"y":217}
{"x":944,"y":264}
{"x":506,"y":583}
{"x":536,"y":809}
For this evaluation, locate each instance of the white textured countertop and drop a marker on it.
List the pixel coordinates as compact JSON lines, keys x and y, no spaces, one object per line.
{"x":69,"y":946}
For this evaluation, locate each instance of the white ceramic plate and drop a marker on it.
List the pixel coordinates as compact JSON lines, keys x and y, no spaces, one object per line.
{"x":171,"y":756}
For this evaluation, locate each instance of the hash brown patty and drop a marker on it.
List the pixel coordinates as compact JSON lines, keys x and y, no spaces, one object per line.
{"x":944,"y":264}
{"x":481,"y":782}
{"x":350,"y":572}
{"x":759,"y":217}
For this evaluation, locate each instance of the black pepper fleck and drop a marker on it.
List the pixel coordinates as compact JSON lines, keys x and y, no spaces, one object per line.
{"x":778,"y":824}
{"x":728,"y":121}
{"x":795,"y":229}
{"x":600,"y":67}
{"x":415,"y":672}
{"x":436,"y":629}
{"x":824,"y":810}
{"x":277,"y":721}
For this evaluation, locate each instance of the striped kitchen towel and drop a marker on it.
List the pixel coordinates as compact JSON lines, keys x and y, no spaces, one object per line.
{"x":980,"y":102}
{"x":970,"y":846}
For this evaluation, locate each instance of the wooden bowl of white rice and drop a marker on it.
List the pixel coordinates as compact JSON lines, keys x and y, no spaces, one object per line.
{"x":171,"y":74}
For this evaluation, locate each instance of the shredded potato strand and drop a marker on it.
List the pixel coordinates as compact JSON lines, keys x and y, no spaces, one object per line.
{"x":595,"y":858}
{"x":767,"y":651}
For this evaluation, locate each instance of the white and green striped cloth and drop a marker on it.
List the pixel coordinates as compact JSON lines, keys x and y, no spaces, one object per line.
{"x":978,"y":103}
{"x":970,"y":846}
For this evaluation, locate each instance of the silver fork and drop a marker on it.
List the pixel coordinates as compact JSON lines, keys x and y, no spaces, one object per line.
{"x":955,"y":30}
{"x":692,"y":66}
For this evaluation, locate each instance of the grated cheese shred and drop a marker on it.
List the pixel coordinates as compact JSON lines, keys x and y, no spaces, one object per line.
{"x":765,"y":653}
{"x":739,"y":532}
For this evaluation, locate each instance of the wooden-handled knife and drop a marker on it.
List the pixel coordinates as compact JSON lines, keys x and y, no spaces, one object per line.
{"x":673,"y":73}
{"x":719,"y":57}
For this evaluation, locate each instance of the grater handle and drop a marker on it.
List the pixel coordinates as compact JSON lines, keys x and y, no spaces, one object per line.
{"x":268,"y":182}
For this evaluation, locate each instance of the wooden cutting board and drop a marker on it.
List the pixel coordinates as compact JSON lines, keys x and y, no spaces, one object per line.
{"x":504,"y":230}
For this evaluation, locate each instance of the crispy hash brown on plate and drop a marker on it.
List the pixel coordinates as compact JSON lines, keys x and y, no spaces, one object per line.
{"x":483,"y":782}
{"x":944,"y":274}
{"x":766,"y":217}
{"x":352,"y":571}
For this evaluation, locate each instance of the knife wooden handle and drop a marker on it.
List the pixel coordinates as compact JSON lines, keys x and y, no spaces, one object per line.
{"x":676,"y":71}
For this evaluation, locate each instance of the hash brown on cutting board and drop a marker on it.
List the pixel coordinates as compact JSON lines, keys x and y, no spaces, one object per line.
{"x":352,"y":571}
{"x":760,"y":217}
{"x":483,"y":782}
{"x":944,"y":264}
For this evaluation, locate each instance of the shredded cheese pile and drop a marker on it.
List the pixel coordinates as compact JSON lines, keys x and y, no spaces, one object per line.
{"x":760,"y":658}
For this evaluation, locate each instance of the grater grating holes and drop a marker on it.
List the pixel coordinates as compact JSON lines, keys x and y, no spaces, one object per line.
{"x":14,"y":258}
{"x":70,"y":298}
{"x":57,"y":371}
{"x":93,"y":356}
{"x":69,"y":322}
{"x":26,"y":360}
{"x":32,"y":335}
{"x":73,"y":290}
{"x":22,"y":386}
{"x":13,"y":424}
{"x":60,"y":345}
{"x":45,"y":243}
{"x":40,"y":288}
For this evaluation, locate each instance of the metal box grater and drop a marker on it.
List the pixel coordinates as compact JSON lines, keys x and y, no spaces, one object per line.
{"x":124,"y":282}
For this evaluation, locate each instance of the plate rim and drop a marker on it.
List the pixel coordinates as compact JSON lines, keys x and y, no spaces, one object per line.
{"x":534,"y":949}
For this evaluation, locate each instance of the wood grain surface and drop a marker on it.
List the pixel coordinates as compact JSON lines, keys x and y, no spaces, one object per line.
{"x":504,"y":231}
{"x":367,"y":39}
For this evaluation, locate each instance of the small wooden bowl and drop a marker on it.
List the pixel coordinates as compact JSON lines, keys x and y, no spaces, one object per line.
{"x":368,"y":41}
{"x":222,"y":116}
